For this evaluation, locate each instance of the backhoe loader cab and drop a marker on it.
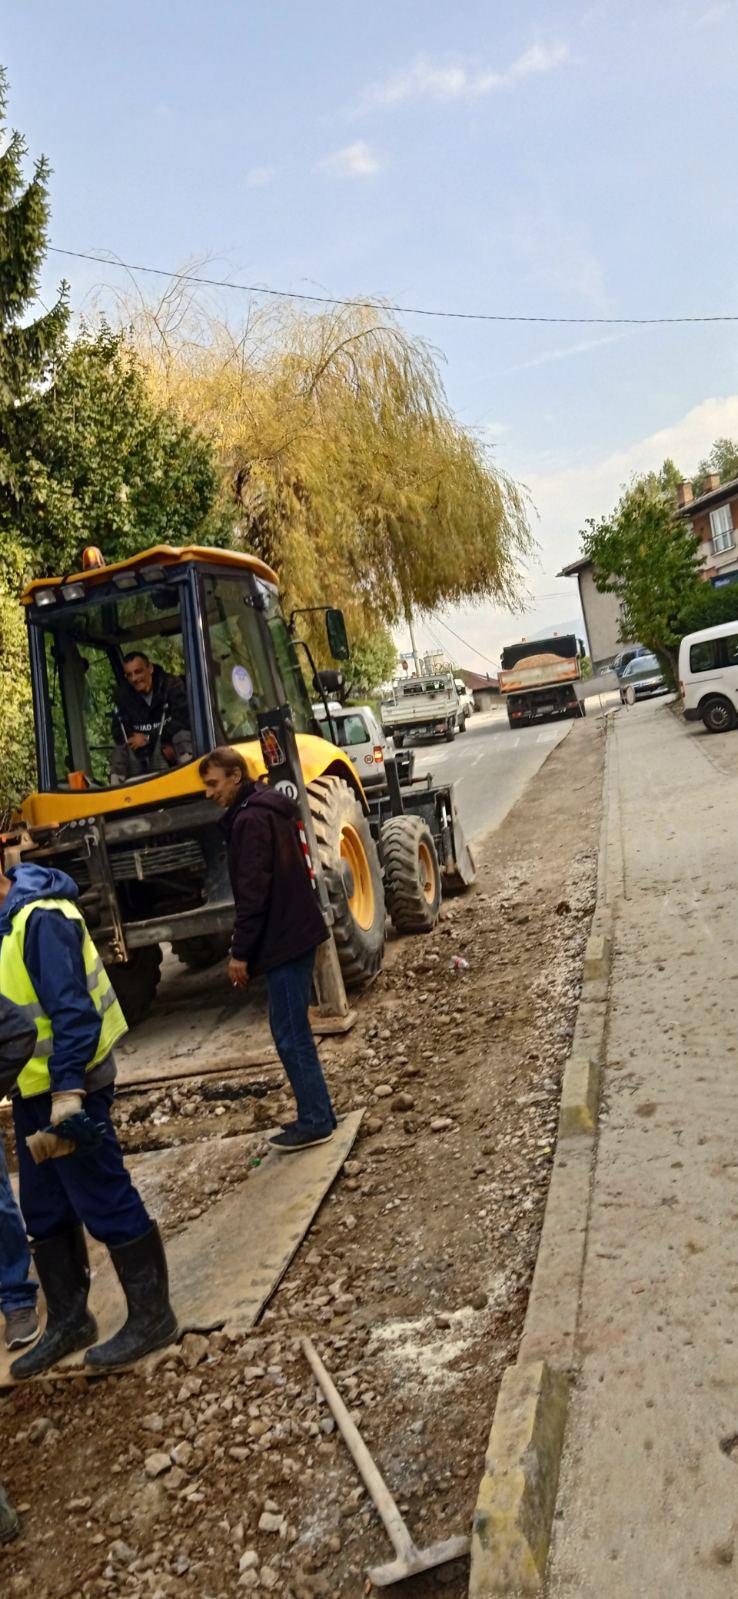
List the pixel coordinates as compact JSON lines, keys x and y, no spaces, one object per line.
{"x":138,"y":670}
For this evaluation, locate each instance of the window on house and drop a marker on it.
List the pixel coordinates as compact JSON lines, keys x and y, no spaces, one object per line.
{"x":721,"y":526}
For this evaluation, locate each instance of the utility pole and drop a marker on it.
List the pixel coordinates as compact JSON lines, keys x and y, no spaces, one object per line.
{"x":413,"y":645}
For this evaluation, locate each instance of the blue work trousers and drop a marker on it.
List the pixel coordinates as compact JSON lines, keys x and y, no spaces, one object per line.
{"x":17,"y":1290}
{"x":92,"y":1188}
{"x":289,"y":989}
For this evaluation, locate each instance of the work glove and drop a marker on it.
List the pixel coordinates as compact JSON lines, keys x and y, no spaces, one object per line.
{"x":65,"y":1104}
{"x":47,"y":1145}
{"x":70,"y":1131}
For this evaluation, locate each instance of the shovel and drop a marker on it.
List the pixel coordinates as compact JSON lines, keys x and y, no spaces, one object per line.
{"x":410,"y":1560}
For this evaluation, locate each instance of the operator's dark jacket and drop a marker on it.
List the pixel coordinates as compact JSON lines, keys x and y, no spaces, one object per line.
{"x":168,"y":700}
{"x":278,"y":917}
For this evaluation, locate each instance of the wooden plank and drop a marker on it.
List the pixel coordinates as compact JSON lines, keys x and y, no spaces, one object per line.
{"x":226,"y":1264}
{"x":134,"y":1076}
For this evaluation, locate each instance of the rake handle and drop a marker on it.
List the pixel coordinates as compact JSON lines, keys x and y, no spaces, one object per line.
{"x":374,"y":1483}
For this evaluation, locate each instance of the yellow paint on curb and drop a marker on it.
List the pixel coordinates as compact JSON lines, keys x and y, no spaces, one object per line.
{"x":517,"y":1494}
{"x":597,"y":957}
{"x":579,"y":1096}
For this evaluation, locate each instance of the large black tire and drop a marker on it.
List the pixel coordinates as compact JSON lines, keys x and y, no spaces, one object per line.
{"x":718,"y":714}
{"x":135,"y":982}
{"x":412,"y":875}
{"x":203,"y":951}
{"x":348,"y":855}
{"x":450,"y":735}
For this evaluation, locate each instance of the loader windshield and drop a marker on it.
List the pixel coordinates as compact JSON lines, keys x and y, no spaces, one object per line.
{"x":241,"y":664}
{"x":116,"y":689}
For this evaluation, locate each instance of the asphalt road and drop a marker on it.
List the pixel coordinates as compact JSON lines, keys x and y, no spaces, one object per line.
{"x":490,"y":765}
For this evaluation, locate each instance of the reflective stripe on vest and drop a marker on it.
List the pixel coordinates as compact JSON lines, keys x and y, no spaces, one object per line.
{"x":16,"y":985}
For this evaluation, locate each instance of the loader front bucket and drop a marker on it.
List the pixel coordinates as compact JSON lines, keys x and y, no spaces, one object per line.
{"x":458,"y":870}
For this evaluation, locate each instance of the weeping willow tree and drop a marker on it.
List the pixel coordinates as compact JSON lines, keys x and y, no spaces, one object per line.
{"x":350,"y":475}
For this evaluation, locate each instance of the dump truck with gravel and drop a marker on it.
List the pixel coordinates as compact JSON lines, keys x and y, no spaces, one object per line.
{"x":195,"y":637}
{"x":538,"y":677}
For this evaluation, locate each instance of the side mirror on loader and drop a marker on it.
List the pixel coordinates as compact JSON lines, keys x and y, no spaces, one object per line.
{"x":335,"y":626}
{"x":329,"y":684}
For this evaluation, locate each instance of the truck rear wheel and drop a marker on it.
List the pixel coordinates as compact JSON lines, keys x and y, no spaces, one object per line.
{"x":203,"y":950}
{"x":412,"y":875}
{"x":135,"y":982}
{"x":348,"y":855}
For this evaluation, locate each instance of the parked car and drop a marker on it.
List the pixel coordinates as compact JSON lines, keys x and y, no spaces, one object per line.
{"x":708,"y":676}
{"x":355,"y":729}
{"x":626,"y":655}
{"x":466,"y":702}
{"x":642,"y":675}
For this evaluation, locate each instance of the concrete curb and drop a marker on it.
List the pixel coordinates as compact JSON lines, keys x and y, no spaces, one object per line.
{"x":579,"y":1096}
{"x":517,"y":1494}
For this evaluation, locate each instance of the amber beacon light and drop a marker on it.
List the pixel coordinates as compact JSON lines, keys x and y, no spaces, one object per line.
{"x":92,"y":557}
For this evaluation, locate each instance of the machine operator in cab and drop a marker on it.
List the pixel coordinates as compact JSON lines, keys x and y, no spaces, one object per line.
{"x":151,"y":722}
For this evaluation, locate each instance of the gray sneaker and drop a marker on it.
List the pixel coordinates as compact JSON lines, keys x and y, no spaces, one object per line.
{"x":21,"y":1327}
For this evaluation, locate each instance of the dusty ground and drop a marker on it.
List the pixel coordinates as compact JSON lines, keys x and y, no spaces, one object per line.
{"x":413,"y":1280}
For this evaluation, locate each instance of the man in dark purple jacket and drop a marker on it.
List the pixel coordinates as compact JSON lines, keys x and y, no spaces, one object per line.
{"x":278,"y":927}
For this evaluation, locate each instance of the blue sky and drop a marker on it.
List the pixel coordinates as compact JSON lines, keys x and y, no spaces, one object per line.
{"x":546,"y":159}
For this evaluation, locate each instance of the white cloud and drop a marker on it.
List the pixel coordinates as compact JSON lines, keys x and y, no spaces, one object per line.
{"x":357,"y":160}
{"x":561,"y":354}
{"x":710,"y":17}
{"x":492,"y":431}
{"x":555,"y":255}
{"x":258,"y":177}
{"x":424,"y":80}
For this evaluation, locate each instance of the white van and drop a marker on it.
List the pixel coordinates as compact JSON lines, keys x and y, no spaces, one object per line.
{"x":708,"y":676}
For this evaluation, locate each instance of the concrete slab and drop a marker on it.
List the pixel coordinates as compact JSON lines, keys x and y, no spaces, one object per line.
{"x":225,"y":1264}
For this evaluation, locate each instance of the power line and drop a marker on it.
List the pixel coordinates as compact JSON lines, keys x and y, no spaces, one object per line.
{"x":379,"y":305}
{"x":467,"y":645}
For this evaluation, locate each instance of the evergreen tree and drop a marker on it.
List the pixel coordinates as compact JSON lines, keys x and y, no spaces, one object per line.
{"x":119,"y":469}
{"x":27,"y":348}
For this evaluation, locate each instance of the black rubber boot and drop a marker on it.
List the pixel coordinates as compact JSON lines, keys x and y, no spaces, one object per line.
{"x":142,"y":1272}
{"x":64,"y":1274}
{"x":8,"y":1518}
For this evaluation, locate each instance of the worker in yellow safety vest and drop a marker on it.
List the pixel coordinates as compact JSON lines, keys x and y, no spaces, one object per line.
{"x":70,"y":1165}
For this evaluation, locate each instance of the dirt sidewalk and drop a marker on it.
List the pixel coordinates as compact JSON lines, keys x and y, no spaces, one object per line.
{"x":413,"y":1280}
{"x":647,"y":1500}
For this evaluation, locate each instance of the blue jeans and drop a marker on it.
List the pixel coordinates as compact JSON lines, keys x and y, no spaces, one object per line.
{"x":17,"y":1291}
{"x":94,"y":1189}
{"x":289,"y":988}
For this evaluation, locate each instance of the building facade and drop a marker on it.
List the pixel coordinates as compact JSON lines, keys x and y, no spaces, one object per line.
{"x":602,"y":615}
{"x":713,"y":514}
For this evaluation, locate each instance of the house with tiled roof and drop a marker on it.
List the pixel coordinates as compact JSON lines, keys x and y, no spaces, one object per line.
{"x":713,"y":514}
